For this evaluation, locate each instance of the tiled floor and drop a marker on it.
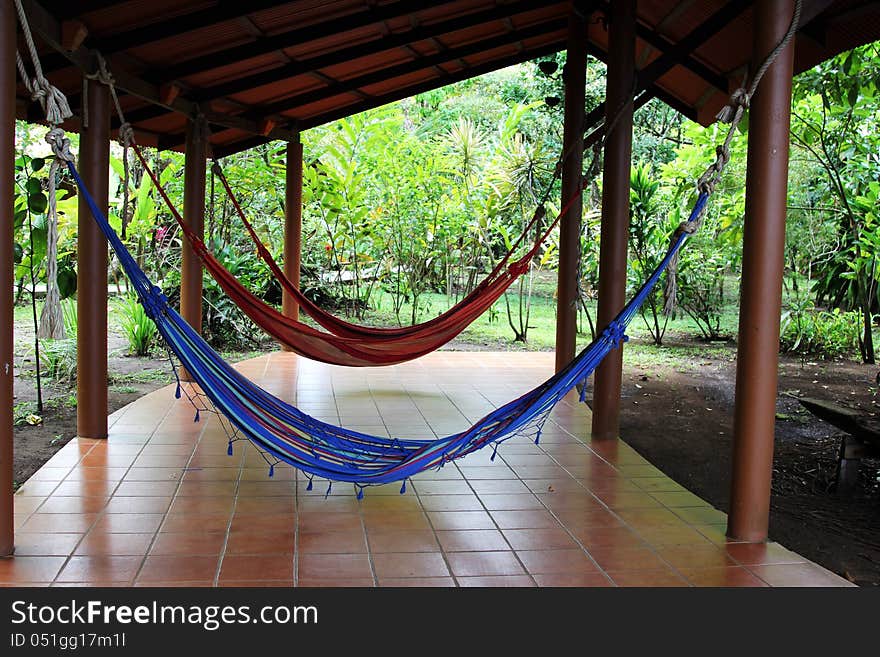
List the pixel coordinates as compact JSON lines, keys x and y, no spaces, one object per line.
{"x":161,"y":503}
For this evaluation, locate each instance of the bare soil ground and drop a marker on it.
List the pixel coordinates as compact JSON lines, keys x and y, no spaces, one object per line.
{"x":680,"y":419}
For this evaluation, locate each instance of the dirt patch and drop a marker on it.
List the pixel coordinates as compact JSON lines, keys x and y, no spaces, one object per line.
{"x":680,"y":419}
{"x":54,"y":425}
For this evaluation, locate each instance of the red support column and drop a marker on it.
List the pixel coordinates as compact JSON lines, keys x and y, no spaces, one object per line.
{"x":194,"y":214}
{"x":615,"y":209}
{"x":570,"y":226}
{"x":761,"y":288}
{"x":7,"y":182}
{"x":91,"y":269}
{"x":292,"y":226}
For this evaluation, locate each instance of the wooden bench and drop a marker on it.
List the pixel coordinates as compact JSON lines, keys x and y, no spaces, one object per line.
{"x":863,"y":439}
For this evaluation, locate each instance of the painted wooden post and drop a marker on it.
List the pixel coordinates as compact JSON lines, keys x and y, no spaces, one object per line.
{"x":292,"y":226}
{"x":194,"y":178}
{"x":91,"y":269}
{"x":615,"y":209}
{"x":7,"y":184}
{"x":570,"y":226}
{"x":761,"y":288}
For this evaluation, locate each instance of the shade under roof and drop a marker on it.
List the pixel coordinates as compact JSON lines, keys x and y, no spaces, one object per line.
{"x":262,"y":69}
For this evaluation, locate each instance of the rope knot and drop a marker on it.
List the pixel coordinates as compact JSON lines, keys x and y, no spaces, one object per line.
{"x":126,"y":134}
{"x":615,"y":333}
{"x":738,"y":103}
{"x":57,"y":139}
{"x":53,"y":102}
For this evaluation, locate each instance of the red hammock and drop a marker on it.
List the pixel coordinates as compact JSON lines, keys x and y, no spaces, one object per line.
{"x":342,"y":328}
{"x":359,"y":346}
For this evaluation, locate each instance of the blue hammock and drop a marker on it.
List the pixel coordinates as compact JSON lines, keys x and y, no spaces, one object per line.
{"x":286,"y":434}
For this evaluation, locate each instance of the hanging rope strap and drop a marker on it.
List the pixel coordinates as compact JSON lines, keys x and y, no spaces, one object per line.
{"x":57,"y":110}
{"x":54,"y":102}
{"x":731,"y":114}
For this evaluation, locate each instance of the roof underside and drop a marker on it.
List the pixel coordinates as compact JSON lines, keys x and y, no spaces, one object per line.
{"x":261,"y":69}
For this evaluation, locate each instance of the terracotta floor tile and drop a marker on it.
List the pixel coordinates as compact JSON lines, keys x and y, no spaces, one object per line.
{"x":417,"y":582}
{"x":472,"y":540}
{"x":728,"y":576}
{"x":202,"y":543}
{"x":330,"y":505}
{"x":177,"y":568}
{"x":73,"y":504}
{"x":201,"y":489}
{"x":402,"y":541}
{"x":579,"y":580}
{"x":389,"y":521}
{"x":88,"y":569}
{"x":499,"y":487}
{"x":45,"y":544}
{"x":557,"y":561}
{"x":797,"y":574}
{"x":257,"y":583}
{"x":128,"y":523}
{"x":695,"y":556}
{"x":239,"y":567}
{"x":539,"y":539}
{"x":187,"y":522}
{"x":550,"y":501}
{"x":332,"y":542}
{"x":497,"y":581}
{"x":672,"y":535}
{"x":106,"y":474}
{"x":29,"y":569}
{"x":320,"y":522}
{"x":468,"y":502}
{"x":647,"y":578}
{"x":755,"y":554}
{"x":138,"y":505}
{"x":626,"y":558}
{"x":265,"y":505}
{"x":479,"y":564}
{"x":515,"y":502}
{"x":334,"y":566}
{"x":101,"y":543}
{"x":62,"y":523}
{"x":275,"y":542}
{"x":449,"y":520}
{"x":410,"y":564}
{"x":202,"y":505}
{"x":259,"y":523}
{"x":535,"y":519}
{"x":346,"y":582}
{"x":146,"y":489}
{"x":443,"y":487}
{"x":616,"y":536}
{"x":206,"y":583}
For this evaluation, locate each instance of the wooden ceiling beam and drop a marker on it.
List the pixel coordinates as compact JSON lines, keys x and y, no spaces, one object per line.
{"x":398,"y":94}
{"x":353,"y":85}
{"x":49,"y":30}
{"x":261,"y":47}
{"x":387,"y":42}
{"x":222,"y":11}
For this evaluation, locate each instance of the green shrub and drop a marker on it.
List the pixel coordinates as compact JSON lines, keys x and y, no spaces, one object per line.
{"x":137,"y":326}
{"x":58,"y":359}
{"x":826,"y":334}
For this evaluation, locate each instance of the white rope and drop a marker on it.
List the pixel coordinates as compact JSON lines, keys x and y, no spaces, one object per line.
{"x":104,"y":76}
{"x":54,"y":102}
{"x":732,"y":114}
{"x":57,"y":110}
